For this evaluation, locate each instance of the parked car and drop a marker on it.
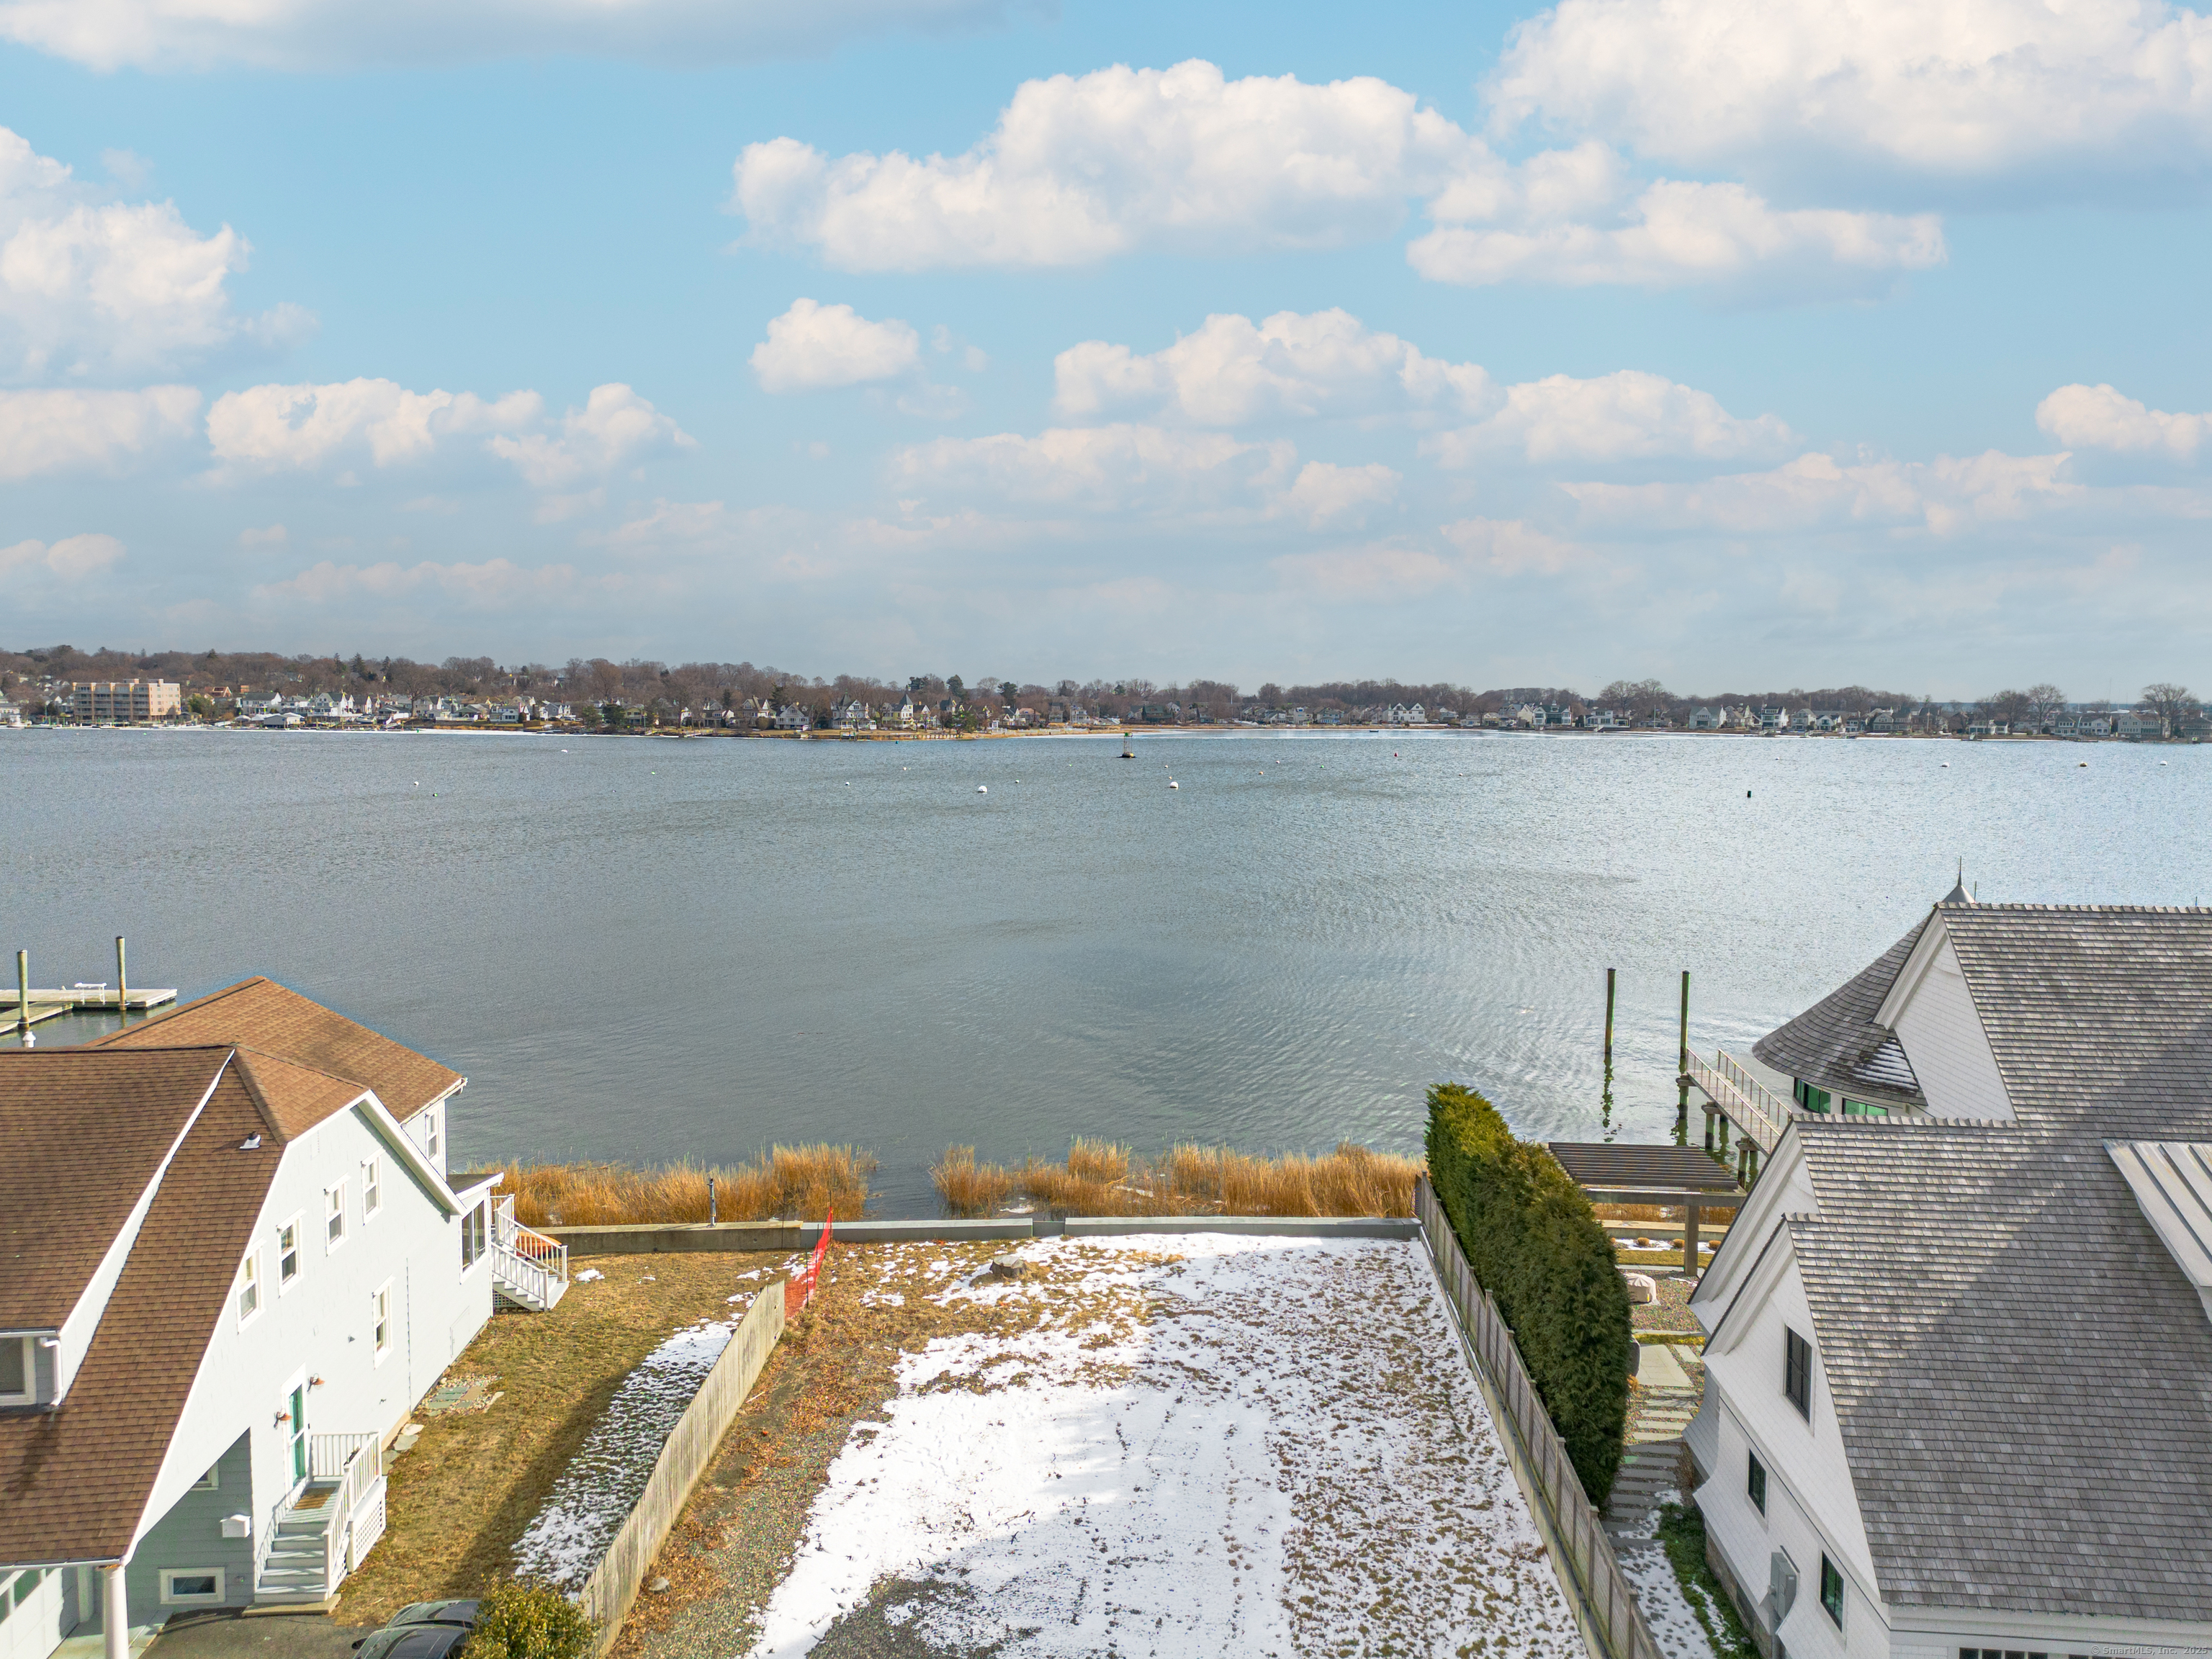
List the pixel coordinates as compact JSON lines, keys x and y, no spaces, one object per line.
{"x":422,"y":1630}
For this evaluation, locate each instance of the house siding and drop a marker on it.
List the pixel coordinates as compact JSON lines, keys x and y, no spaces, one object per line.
{"x":191,"y":1536}
{"x":1941,"y":1033}
{"x":1811,"y":1507}
{"x":320,"y":1329}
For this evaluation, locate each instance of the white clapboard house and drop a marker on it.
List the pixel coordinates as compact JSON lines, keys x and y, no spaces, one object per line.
{"x":231,"y":1262}
{"x":1959,"y":1356}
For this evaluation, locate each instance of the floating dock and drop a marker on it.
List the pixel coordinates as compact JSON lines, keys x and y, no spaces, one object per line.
{"x":78,"y":999}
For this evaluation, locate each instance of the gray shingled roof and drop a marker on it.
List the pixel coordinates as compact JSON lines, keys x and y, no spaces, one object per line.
{"x":2022,"y":1374}
{"x":1835,"y":1044}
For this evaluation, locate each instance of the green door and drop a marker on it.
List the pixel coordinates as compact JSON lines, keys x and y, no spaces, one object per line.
{"x":300,"y":1432}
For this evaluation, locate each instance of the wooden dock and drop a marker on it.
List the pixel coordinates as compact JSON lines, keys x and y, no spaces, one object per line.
{"x":77,"y":999}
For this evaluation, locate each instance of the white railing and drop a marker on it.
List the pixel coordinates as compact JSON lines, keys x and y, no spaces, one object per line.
{"x":1743,"y":1098}
{"x":356,"y":1461}
{"x":527,"y":1260}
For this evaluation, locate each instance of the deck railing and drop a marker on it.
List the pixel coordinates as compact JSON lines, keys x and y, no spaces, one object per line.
{"x":1743,"y":1098}
{"x":526,"y":1259}
{"x":1603,"y":1599}
{"x":355,"y":1521}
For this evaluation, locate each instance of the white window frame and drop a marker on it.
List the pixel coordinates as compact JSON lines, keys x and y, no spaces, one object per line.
{"x":432,"y":1137}
{"x":250,"y":1277}
{"x":295,"y":1226}
{"x":372,"y":1188}
{"x":476,"y":1226}
{"x":170,"y":1598}
{"x":334,"y":1215}
{"x":211,"y":1481}
{"x":380,"y":1321}
{"x":30,"y":1393}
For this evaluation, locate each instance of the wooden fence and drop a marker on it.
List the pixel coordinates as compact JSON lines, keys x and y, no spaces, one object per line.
{"x":1604,"y":1603}
{"x":613,"y":1585}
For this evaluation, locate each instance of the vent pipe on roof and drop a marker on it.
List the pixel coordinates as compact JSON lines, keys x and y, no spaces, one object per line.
{"x":23,"y":995}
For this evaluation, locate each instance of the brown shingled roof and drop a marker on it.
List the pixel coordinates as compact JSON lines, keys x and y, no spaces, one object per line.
{"x":74,"y":1481}
{"x":85,"y":1134}
{"x":260,"y":1013}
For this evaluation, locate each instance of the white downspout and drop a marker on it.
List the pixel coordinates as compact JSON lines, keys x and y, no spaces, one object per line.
{"x":114,"y":1613}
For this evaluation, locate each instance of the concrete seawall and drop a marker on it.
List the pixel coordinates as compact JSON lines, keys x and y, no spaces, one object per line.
{"x":661,"y":1238}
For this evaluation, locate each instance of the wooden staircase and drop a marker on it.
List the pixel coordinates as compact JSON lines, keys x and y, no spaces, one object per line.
{"x":528,"y":1270}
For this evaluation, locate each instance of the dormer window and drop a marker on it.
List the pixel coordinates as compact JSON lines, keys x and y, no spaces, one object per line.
{"x":18,"y":1370}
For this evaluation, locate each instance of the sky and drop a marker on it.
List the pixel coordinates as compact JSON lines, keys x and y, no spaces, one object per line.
{"x":1732,"y":343}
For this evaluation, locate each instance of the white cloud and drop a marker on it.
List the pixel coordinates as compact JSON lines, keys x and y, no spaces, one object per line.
{"x":1510,"y":547}
{"x":93,"y":290}
{"x":273,"y":535}
{"x":1817,"y":492}
{"x":1966,"y":89}
{"x":615,"y":428}
{"x":1081,"y":169}
{"x":1231,"y":372}
{"x":2099,"y":417}
{"x":670,"y":526}
{"x":340,"y":35}
{"x":1622,"y":417}
{"x":488,"y":585}
{"x":43,"y":432}
{"x":1121,"y":468}
{"x":1402,"y":568}
{"x":1674,"y":233}
{"x":1324,"y":493}
{"x":71,"y":558}
{"x":812,"y":347}
{"x":307,"y":426}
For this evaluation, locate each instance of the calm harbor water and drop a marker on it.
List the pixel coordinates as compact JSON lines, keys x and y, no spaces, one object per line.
{"x":650,"y":950}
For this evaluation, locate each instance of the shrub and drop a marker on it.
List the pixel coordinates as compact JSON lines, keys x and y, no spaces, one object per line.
{"x":530,"y":1621}
{"x":1535,"y":1245}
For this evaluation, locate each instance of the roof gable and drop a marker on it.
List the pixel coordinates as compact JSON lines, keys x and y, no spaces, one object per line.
{"x":1837,"y":1044}
{"x":258,"y":1013}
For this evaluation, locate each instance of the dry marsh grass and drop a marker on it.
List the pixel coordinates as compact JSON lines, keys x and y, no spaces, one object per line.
{"x":785,"y":1183}
{"x":1100,"y":1178}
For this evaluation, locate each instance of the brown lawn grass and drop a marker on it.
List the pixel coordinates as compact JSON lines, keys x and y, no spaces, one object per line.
{"x":785,"y":1183}
{"x":476,"y":1480}
{"x":1100,"y":1178}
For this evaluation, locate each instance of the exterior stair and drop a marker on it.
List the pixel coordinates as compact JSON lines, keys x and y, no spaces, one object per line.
{"x":528,"y":1270}
{"x":297,"y":1568}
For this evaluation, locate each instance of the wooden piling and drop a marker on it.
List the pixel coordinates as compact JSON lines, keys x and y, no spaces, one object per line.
{"x":122,"y":985}
{"x":23,"y":993}
{"x":1609,"y":976}
{"x":1682,"y":1069}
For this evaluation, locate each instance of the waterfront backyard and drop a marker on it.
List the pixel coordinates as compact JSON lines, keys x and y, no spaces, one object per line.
{"x":1193,"y":1444}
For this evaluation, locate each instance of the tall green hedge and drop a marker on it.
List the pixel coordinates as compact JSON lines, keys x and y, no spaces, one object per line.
{"x":1536,"y":1244}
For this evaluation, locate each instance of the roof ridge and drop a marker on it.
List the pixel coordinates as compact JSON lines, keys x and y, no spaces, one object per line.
{"x":171,"y":1012}
{"x":253,"y":1092}
{"x":1991,"y":906}
{"x":296,"y":1064}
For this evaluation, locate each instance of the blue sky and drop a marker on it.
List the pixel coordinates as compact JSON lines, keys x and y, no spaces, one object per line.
{"x":1736,"y":343}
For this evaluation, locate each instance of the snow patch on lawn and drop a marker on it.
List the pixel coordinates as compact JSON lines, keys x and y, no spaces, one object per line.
{"x":595,"y":1493}
{"x":1203,"y":1445}
{"x":1658,"y":1592}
